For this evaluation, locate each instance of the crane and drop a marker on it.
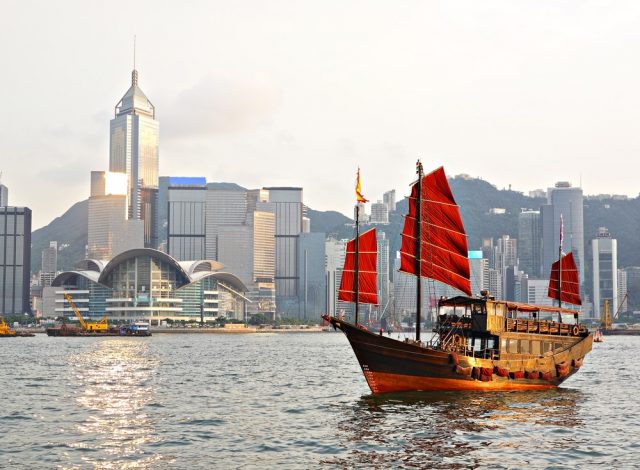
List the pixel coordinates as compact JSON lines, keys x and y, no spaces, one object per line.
{"x":607,"y":319}
{"x":100,"y":325}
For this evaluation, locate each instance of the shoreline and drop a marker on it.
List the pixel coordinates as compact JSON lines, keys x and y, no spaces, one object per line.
{"x":214,"y":331}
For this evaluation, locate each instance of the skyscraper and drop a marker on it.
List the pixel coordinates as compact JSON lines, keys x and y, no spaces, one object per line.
{"x":49,"y":264}
{"x":312,"y":285}
{"x":568,"y":202}
{"x":335,"y":251}
{"x":289,"y":213}
{"x":109,"y":231}
{"x":226,"y":204}
{"x":4,"y":196}
{"x":186,"y":218}
{"x":605,"y":271}
{"x":530,"y":243}
{"x":15,"y":260}
{"x":384,"y":284}
{"x":389,"y":198}
{"x":134,"y":151}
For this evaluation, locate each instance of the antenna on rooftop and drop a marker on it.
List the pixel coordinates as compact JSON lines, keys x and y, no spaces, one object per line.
{"x":134,"y":52}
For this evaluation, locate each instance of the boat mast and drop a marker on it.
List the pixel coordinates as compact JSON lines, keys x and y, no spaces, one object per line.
{"x":356,"y":273}
{"x":560,"y":270}
{"x":418,"y":237}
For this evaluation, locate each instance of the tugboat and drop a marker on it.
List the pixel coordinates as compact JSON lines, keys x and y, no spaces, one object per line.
{"x":479,"y":343}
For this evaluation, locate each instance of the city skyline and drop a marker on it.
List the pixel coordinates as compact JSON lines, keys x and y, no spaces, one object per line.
{"x":293,"y":95}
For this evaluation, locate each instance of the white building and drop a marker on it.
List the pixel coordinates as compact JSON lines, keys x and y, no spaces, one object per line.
{"x":379,"y":213}
{"x":605,"y":271}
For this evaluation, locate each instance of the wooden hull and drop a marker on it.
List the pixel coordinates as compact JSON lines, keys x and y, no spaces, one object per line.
{"x":390,"y":366}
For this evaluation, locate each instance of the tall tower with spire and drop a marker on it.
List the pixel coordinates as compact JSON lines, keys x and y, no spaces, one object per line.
{"x":134,"y":150}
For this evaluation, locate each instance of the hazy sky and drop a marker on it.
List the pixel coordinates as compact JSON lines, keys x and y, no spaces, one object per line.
{"x":299,"y":93}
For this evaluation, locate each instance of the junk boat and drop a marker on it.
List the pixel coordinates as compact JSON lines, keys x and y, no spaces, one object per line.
{"x":478,"y":343}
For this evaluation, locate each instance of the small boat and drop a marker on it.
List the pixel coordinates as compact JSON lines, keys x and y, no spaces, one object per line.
{"x":478,"y":343}
{"x":139,"y":328}
{"x":597,"y":336}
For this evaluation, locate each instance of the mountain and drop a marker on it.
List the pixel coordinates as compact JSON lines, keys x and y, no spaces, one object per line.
{"x":69,"y":230}
{"x":475,"y":197}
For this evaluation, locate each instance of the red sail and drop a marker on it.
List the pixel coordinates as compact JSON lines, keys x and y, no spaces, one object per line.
{"x":367,"y":270}
{"x":570,"y":284}
{"x":444,"y":247}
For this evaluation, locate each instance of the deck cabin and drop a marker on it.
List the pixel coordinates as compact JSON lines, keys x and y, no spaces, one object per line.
{"x":496,"y":329}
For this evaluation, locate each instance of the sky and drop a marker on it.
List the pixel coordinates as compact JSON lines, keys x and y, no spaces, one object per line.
{"x":302,"y":93}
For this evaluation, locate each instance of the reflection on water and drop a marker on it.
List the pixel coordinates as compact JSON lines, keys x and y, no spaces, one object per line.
{"x":454,"y":430}
{"x":114,"y":383}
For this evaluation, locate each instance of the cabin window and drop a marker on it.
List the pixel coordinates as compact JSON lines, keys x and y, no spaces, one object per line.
{"x":503,"y":345}
{"x":524,"y":346}
{"x":547,"y":347}
{"x":535,"y":347}
{"x":491,"y":343}
{"x":513,"y":346}
{"x":557,"y":345}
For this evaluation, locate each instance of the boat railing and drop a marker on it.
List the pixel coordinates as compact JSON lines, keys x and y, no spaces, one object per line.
{"x":521,"y":325}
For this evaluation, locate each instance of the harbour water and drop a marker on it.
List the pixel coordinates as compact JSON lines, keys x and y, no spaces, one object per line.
{"x":292,"y":401}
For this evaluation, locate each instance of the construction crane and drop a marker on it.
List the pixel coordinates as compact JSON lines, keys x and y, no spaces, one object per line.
{"x":607,"y":319}
{"x":100,"y":325}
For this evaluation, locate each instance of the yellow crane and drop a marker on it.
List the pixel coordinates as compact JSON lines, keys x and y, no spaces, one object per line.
{"x":5,"y":330}
{"x":607,"y":319}
{"x":606,"y":316}
{"x":100,"y":325}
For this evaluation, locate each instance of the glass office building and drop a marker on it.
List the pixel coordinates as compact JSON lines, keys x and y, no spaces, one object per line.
{"x":134,"y":146}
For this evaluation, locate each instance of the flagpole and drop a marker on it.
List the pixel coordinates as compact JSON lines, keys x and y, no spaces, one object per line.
{"x":357,"y":260}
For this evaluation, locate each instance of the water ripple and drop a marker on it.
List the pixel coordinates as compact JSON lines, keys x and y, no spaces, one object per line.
{"x":292,"y":401}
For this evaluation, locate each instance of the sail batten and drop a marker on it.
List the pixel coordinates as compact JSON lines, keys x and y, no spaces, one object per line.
{"x":442,"y":238}
{"x":570,"y":285}
{"x":367,"y":270}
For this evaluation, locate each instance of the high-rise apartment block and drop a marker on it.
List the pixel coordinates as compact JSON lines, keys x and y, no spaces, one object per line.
{"x":109,"y":231}
{"x":379,"y":213}
{"x":133,"y":150}
{"x":15,"y":260}
{"x":605,"y":271}
{"x":389,"y":198}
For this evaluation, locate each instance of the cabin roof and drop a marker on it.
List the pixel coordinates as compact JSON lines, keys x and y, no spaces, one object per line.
{"x":462,"y":300}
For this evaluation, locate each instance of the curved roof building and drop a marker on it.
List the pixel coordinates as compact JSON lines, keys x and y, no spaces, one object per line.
{"x":148,"y":284}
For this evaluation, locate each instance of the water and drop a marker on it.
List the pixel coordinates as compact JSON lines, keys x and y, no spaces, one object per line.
{"x":292,"y":401}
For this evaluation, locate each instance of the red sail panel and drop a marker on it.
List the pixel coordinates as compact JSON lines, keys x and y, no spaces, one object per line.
{"x":444,"y":248}
{"x":367,"y":270}
{"x":570,"y":284}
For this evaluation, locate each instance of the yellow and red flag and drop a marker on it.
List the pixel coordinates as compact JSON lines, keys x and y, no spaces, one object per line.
{"x":359,"y":196}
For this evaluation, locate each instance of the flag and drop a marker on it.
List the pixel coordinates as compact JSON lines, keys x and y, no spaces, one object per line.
{"x":359,"y":196}
{"x":561,"y":232}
